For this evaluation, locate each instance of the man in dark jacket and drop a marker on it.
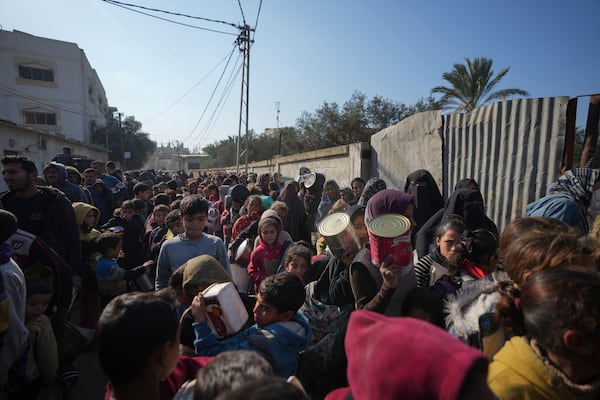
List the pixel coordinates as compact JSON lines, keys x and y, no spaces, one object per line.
{"x":55,"y":174}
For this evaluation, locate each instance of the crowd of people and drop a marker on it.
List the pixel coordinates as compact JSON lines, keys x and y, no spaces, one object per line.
{"x":120,"y":263}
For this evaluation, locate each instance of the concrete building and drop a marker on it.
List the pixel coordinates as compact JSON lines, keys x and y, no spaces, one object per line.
{"x":48,"y":85}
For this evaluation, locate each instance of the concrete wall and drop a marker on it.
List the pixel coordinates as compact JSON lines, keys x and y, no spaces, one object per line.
{"x":413,"y":143}
{"x":41,"y":147}
{"x":341,"y":163}
{"x":76,"y":95}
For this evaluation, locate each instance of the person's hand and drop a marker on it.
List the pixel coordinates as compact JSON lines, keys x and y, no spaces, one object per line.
{"x":149,"y":263}
{"x":390,"y":272}
{"x":121,"y":254}
{"x":199,"y":308}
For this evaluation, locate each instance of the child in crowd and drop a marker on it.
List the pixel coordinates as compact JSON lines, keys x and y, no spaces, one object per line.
{"x":265,"y":258}
{"x":174,"y":225}
{"x":138,"y":347}
{"x":42,"y":360}
{"x":280,"y":332}
{"x":297,"y":260}
{"x":253,"y":208}
{"x":133,"y":229}
{"x":112,"y":278}
{"x":87,"y":219}
{"x":13,"y":348}
{"x":155,"y":237}
{"x":191,"y":243}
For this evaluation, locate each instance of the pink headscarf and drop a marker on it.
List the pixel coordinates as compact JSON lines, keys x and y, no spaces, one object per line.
{"x":404,"y":358}
{"x":388,"y":201}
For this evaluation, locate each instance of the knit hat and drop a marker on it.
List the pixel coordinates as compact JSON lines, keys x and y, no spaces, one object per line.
{"x":203,"y":271}
{"x":404,"y":358}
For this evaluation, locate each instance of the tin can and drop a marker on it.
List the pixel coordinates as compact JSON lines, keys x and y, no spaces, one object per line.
{"x":314,"y":181}
{"x":339,"y":233}
{"x":389,"y":234}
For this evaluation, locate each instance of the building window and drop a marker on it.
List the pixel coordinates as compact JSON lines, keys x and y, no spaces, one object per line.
{"x":36,"y":74}
{"x":39,"y":118}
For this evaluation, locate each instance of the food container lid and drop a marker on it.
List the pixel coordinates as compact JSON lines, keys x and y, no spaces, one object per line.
{"x":310,"y":179}
{"x":334,"y":224}
{"x":389,"y":225}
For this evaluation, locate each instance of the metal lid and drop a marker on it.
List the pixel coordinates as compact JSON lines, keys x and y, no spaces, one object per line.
{"x":334,"y":224}
{"x":389,"y":225}
{"x":310,"y":179}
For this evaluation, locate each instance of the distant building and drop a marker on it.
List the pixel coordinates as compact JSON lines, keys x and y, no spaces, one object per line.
{"x":48,"y":85}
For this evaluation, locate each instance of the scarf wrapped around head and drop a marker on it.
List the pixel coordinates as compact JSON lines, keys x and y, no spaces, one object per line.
{"x":375,"y":373}
{"x":372,"y":186}
{"x":428,"y":199}
{"x":388,"y":201}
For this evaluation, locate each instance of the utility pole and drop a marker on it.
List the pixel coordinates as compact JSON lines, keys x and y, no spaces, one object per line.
{"x":122,"y":144}
{"x":244,"y":42}
{"x":277,"y":104}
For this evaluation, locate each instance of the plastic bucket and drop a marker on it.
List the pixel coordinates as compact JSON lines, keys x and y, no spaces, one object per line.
{"x":389,"y":235}
{"x":339,"y":233}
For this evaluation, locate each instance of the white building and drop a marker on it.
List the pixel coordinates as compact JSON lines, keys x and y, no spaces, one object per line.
{"x":48,"y":85}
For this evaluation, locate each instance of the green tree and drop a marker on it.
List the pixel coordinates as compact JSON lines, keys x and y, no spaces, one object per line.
{"x":126,"y":137}
{"x":472,"y":85}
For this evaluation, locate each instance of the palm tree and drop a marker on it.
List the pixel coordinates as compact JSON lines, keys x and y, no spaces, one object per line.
{"x":471,"y":85}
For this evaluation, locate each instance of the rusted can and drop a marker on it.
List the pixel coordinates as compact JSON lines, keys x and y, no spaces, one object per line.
{"x":339,"y":233}
{"x":389,"y":234}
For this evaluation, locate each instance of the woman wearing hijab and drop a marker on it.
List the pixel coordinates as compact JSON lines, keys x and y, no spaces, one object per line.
{"x":428,"y":199}
{"x":373,"y":186}
{"x":294,"y":222}
{"x":569,"y":198}
{"x":383,"y":289}
{"x":468,"y":204}
{"x":331,"y":194}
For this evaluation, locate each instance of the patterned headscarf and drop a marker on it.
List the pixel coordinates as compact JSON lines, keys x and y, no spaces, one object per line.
{"x":372,"y":186}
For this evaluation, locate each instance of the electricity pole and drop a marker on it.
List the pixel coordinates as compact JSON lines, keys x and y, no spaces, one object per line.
{"x":277,"y":104}
{"x":244,"y":42}
{"x":122,"y":144}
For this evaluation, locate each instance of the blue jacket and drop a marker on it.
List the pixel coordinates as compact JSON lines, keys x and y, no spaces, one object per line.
{"x":281,"y":342}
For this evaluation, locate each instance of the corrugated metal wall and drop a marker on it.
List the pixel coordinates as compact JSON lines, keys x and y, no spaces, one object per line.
{"x":513,"y":149}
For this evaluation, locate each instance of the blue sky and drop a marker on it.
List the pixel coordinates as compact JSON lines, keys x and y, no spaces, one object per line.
{"x":307,"y":52}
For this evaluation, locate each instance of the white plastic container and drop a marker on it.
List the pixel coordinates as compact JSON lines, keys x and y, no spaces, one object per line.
{"x":225,"y":310}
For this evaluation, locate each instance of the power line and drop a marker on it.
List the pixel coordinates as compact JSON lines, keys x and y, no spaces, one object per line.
{"x":172,"y":13}
{"x":242,"y":10}
{"x":118,"y":4}
{"x":37,"y":100}
{"x":189,"y":91}
{"x":225,"y":95}
{"x":257,"y":15}
{"x":210,"y":99}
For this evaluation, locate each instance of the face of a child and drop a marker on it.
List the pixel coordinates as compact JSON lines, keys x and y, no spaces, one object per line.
{"x":90,"y":219}
{"x":297,"y":266}
{"x":36,"y":305}
{"x":254,"y":209}
{"x":171,"y":356}
{"x":361,"y":229}
{"x":193,"y":225}
{"x":331,"y":191}
{"x":159,"y":217}
{"x":357,"y":188}
{"x":269,"y":234}
{"x":176,"y":227}
{"x":265,"y":314}
{"x":127,"y":214}
{"x":114,"y":252}
{"x":449,"y":243}
{"x":145,"y":195}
